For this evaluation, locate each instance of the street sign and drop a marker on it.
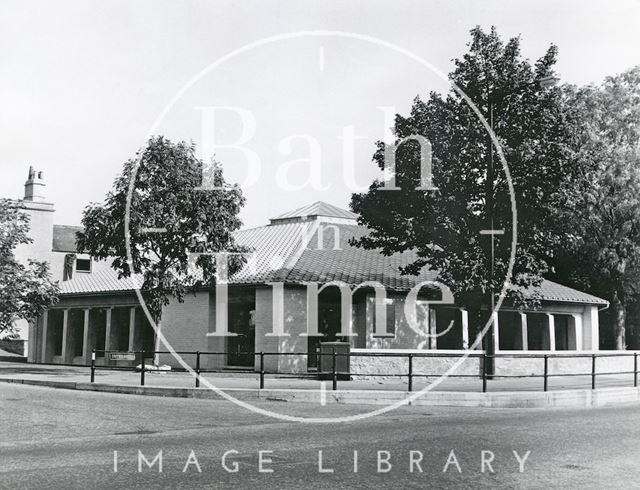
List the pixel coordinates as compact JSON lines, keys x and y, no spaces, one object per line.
{"x":122,"y":356}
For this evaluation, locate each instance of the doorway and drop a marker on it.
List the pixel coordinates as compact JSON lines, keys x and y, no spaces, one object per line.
{"x":240,"y":347}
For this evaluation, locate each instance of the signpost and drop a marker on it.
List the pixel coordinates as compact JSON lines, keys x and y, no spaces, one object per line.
{"x":122,"y":356}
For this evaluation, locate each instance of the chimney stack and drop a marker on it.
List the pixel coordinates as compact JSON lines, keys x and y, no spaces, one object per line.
{"x":34,"y":186}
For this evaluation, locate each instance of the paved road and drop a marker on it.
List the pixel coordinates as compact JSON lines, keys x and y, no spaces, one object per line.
{"x":66,"y":439}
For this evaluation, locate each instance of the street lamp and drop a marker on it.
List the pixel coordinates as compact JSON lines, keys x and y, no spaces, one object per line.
{"x":544,"y":83}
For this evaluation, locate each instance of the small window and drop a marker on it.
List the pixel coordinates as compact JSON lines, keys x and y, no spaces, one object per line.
{"x":83,"y":265}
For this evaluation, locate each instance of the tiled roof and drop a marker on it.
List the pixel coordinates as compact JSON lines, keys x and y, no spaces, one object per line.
{"x":104,"y":281}
{"x":336,"y":260}
{"x":319,"y":208}
{"x":314,"y":251}
{"x":552,"y":291}
{"x":64,"y":238}
{"x":274,"y":249}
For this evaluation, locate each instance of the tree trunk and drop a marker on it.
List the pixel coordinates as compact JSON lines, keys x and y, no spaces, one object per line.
{"x":156,"y":347}
{"x":619,"y":317}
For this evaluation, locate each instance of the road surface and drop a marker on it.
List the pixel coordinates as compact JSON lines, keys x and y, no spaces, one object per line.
{"x":63,"y":439}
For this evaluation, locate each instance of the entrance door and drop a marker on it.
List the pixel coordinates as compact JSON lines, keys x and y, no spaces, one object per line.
{"x":329,"y":323}
{"x":241,"y":321}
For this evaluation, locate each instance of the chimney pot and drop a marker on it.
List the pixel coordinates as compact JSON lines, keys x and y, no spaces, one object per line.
{"x":34,"y":186}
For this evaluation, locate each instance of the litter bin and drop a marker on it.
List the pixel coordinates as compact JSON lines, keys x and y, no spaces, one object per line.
{"x":342,"y":361}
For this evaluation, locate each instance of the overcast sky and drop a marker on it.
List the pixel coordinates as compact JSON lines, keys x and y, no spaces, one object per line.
{"x":82,"y":83}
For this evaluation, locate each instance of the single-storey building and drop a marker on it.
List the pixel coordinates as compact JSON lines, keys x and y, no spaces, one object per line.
{"x":303,"y":276}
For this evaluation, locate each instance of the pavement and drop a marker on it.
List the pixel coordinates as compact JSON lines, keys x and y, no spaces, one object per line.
{"x":512,"y":392}
{"x":77,"y":440}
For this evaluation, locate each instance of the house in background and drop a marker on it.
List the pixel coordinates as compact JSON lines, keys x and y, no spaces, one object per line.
{"x":300,"y":255}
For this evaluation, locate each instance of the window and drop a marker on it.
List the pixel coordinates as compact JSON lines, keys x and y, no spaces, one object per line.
{"x":83,"y":265}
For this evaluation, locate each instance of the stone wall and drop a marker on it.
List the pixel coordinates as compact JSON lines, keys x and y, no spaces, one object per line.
{"x":566,"y":364}
{"x":294,"y":311}
{"x":14,"y":346}
{"x":185,"y":327}
{"x":362,"y":366}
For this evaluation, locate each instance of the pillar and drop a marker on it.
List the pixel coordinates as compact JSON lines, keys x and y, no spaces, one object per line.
{"x":464,"y":321}
{"x":433,"y":340}
{"x":496,"y":331}
{"x":575,"y":332}
{"x":595,"y":327}
{"x":132,"y":329}
{"x":107,"y":331}
{"x":86,"y":344}
{"x":65,"y":335}
{"x":45,"y":335}
{"x":551,"y":324}
{"x":524,"y":331}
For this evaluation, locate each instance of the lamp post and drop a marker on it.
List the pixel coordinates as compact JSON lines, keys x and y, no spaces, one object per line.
{"x":544,"y":83}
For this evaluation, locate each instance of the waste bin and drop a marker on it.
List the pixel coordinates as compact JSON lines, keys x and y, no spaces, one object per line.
{"x":342,"y":361}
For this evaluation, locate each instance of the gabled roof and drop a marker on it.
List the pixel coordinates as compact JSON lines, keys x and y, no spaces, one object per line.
{"x":64,"y":238}
{"x":314,"y":251}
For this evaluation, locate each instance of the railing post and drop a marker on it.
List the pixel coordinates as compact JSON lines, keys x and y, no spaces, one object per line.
{"x":410,"y":384}
{"x":261,"y":370}
{"x":197,"y":369}
{"x":93,"y":365}
{"x":144,"y":368}
{"x":635,"y":369}
{"x":593,"y":371}
{"x":484,"y":373}
{"x":333,"y":370}
{"x":546,"y":371}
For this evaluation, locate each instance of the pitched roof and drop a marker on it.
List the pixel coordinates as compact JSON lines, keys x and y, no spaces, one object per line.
{"x":103,"y":281}
{"x":314,"y":251}
{"x":64,"y":238}
{"x":329,"y":257}
{"x":552,"y":291}
{"x":318,"y":208}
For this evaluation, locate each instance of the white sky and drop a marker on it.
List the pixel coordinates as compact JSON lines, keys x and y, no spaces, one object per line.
{"x":82,"y":82}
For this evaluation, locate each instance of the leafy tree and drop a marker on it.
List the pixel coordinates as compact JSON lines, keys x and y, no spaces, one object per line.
{"x":602,"y":210}
{"x":165,"y":196}
{"x":26,"y":291}
{"x":444,"y":226}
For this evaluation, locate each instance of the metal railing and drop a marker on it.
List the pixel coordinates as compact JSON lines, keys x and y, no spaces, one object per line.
{"x":335,"y":374}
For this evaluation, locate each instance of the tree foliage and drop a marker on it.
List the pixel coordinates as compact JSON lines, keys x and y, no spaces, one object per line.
{"x":602,"y":211}
{"x":26,"y":291}
{"x":444,"y":226}
{"x":164,"y":196}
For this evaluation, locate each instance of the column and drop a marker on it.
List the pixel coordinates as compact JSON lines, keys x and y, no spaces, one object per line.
{"x":45,"y":335}
{"x":65,"y":335}
{"x":86,"y":344}
{"x":552,"y":331}
{"x":433,"y":340}
{"x":496,"y":331}
{"x":107,"y":331}
{"x":132,"y":329}
{"x":464,"y":321}
{"x":595,"y":327}
{"x":524,"y":331}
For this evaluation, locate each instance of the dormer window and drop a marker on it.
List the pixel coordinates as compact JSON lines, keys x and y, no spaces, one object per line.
{"x":83,"y":265}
